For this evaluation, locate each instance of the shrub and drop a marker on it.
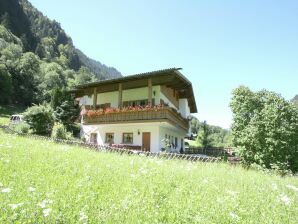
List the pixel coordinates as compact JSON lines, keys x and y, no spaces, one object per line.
{"x":40,"y":118}
{"x":265,"y":129}
{"x":21,"y":128}
{"x":60,"y":132}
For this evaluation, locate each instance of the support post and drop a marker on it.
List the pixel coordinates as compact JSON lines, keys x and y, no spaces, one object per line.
{"x":120,"y":95}
{"x":94,"y":98}
{"x":150,"y":91}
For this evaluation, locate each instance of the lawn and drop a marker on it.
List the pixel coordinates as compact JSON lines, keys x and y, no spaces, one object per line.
{"x":7,"y":111}
{"x":45,"y":182}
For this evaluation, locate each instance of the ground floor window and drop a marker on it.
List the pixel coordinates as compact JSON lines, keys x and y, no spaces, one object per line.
{"x":93,"y":138}
{"x":109,"y":138}
{"x":127,"y":138}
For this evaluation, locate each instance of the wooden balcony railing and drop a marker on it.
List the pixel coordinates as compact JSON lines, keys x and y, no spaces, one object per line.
{"x":162,"y":114}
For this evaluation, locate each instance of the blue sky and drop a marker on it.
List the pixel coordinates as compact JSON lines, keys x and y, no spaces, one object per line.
{"x":219,"y":44}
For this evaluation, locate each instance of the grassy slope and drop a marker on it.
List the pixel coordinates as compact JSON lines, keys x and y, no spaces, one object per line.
{"x":7,"y":111}
{"x":110,"y":188}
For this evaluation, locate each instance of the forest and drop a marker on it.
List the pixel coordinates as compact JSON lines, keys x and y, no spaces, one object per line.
{"x":37,"y":56}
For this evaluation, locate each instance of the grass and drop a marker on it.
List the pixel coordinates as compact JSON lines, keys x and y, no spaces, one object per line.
{"x":45,"y":182}
{"x":7,"y":111}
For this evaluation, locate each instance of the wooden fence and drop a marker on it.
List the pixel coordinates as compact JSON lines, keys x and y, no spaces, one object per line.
{"x":217,"y":152}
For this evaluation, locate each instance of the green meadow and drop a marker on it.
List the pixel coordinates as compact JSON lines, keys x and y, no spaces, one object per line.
{"x":46,"y":182}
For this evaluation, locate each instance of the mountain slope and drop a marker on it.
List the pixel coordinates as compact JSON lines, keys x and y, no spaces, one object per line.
{"x":45,"y":37}
{"x":295,"y":101}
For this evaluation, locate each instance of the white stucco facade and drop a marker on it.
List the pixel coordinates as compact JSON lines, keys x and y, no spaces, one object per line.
{"x":158,"y":132}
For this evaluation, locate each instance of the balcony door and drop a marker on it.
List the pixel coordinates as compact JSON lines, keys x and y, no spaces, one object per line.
{"x":146,"y":141}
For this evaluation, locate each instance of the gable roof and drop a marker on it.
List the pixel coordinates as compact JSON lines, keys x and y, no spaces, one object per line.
{"x":171,"y":77}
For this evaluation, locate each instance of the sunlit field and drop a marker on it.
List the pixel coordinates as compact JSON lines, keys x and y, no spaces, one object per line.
{"x":45,"y":182}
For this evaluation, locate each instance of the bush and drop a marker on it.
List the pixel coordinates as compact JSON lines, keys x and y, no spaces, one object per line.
{"x":21,"y":128}
{"x":265,"y":129}
{"x":40,"y":118}
{"x":60,"y":132}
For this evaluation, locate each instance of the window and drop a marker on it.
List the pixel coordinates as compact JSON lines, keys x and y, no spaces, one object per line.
{"x":127,"y":138}
{"x":134,"y":103}
{"x":93,"y":138}
{"x":103,"y":106}
{"x":109,"y":138}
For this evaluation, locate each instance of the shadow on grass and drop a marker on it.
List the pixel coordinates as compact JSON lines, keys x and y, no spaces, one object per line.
{"x":8,"y":110}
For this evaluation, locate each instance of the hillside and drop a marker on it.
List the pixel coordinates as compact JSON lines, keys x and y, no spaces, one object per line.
{"x":37,"y":56}
{"x":31,"y":26}
{"x":68,"y":184}
{"x":295,"y":100}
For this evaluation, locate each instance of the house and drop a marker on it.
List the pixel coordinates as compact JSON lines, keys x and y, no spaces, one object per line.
{"x":148,"y":111}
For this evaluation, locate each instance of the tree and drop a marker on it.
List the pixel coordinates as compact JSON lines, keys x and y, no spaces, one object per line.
{"x":295,"y":101}
{"x":5,"y":21}
{"x":84,"y":76}
{"x":265,"y":129}
{"x":203,"y":135}
{"x":5,"y":85}
{"x":40,"y":118}
{"x":66,"y":111}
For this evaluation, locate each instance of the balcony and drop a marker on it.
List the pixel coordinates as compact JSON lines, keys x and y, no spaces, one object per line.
{"x":155,"y":114}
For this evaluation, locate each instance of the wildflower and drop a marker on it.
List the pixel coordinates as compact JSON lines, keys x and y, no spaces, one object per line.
{"x":285,"y":199}
{"x":15,"y":206}
{"x":31,"y":189}
{"x":143,"y":171}
{"x":46,"y":212}
{"x":83,"y":217}
{"x":44,"y":203}
{"x":1,"y":185}
{"x":234,"y":216}
{"x":6,"y":190}
{"x":205,"y":181}
{"x":274,"y":186}
{"x":232,"y":193}
{"x":292,"y":187}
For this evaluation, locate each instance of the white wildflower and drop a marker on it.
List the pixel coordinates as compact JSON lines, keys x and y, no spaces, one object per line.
{"x":6,"y":190}
{"x":234,"y":216}
{"x":285,"y":199}
{"x":44,"y":203}
{"x":1,"y":185}
{"x":133,"y":175}
{"x":83,"y":217}
{"x":232,"y":193}
{"x":292,"y":187}
{"x":31,"y":189}
{"x":205,"y":181}
{"x":15,"y":206}
{"x":274,"y":187}
{"x":46,"y":212}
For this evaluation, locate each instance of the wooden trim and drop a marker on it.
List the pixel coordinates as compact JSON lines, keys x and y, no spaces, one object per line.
{"x":94,"y":98}
{"x":170,"y":94}
{"x":150,"y":91}
{"x":120,"y":95}
{"x":166,"y":114}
